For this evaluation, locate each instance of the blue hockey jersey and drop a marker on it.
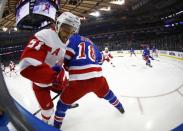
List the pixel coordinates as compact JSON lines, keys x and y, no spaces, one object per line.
{"x":132,"y":50}
{"x":154,"y":49}
{"x":146,"y":52}
{"x":82,"y":58}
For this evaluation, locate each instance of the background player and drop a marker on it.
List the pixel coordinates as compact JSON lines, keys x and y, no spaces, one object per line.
{"x":154,"y":52}
{"x":85,"y":76}
{"x":132,"y":51}
{"x":39,"y":57}
{"x":146,"y":56}
{"x":12,"y":68}
{"x":107,"y":56}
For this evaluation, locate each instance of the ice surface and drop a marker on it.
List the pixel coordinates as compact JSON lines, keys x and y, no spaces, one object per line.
{"x":152,"y":97}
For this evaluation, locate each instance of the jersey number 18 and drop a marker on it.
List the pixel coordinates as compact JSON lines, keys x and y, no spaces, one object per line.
{"x":90,"y":53}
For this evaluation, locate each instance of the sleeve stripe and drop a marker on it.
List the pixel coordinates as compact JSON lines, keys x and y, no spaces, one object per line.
{"x":69,"y":53}
{"x":67,"y":57}
{"x":70,"y":50}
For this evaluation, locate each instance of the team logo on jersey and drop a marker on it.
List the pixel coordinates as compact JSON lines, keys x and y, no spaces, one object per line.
{"x":56,"y":52}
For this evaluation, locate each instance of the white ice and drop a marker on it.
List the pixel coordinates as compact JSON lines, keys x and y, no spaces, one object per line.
{"x":152,"y":97}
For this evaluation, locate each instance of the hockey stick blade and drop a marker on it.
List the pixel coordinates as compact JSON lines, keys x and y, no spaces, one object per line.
{"x":74,"y":105}
{"x":35,"y":113}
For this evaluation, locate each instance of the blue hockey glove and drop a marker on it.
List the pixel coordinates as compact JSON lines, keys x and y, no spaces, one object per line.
{"x":57,"y":68}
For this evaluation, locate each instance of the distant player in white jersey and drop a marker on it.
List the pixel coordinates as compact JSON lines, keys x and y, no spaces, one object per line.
{"x":107,"y":56}
{"x":155,"y":52}
{"x":12,"y":68}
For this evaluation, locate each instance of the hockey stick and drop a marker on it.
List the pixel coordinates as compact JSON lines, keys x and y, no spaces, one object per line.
{"x":35,"y":113}
{"x":155,"y":59}
{"x":72,"y":106}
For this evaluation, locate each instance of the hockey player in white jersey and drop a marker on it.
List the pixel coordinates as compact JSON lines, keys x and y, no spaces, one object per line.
{"x":155,"y":52}
{"x":12,"y":68}
{"x":107,"y":56}
{"x":39,"y":57}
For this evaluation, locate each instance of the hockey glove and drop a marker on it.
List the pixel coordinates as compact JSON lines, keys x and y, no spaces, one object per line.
{"x":57,"y":68}
{"x":61,"y":79}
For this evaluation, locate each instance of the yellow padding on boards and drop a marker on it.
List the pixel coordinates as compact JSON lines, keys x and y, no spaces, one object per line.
{"x":172,"y":57}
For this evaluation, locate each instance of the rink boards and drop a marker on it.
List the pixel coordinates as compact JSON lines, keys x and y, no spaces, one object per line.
{"x":172,"y":54}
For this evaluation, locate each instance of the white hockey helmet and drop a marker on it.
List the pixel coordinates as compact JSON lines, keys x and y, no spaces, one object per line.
{"x":106,"y":49}
{"x":69,"y":19}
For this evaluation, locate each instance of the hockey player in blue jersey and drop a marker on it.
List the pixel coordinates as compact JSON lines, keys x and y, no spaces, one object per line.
{"x":153,"y":49}
{"x":132,"y":51}
{"x":146,"y":56}
{"x":85,"y":75}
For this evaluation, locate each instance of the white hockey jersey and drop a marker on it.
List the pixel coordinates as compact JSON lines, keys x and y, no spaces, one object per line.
{"x":43,"y":50}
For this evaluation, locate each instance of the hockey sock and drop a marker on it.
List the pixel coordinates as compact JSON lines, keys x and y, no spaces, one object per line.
{"x":45,"y":119}
{"x":60,"y":113}
{"x":151,"y":57}
{"x":113,"y":100}
{"x":148,"y":62}
{"x":46,"y":114}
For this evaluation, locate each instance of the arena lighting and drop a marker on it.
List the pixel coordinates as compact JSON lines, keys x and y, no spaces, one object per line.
{"x":172,"y":15}
{"x":118,"y":2}
{"x":173,"y":24}
{"x":96,"y":13}
{"x":181,"y":23}
{"x":15,"y":28}
{"x":167,"y":26}
{"x":5,"y":29}
{"x":180,"y":12}
{"x":105,"y":8}
{"x":176,"y":23}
